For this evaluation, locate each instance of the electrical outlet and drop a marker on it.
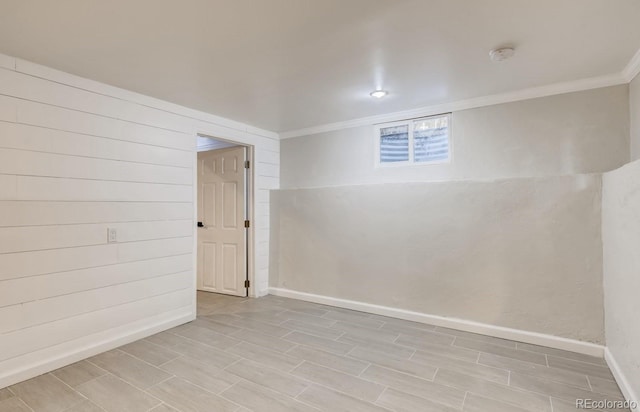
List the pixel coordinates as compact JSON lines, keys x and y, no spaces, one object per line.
{"x":112,"y":235}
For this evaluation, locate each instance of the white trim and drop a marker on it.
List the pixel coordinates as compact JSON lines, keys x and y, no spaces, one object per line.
{"x":534,"y":338}
{"x":525,"y":94}
{"x":58,"y":356}
{"x":250,"y":196}
{"x":625,"y":387}
{"x":633,"y":68}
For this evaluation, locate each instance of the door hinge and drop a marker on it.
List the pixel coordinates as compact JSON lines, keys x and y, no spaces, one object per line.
{"x":246,"y":223}
{"x":247,"y":164}
{"x":247,"y":284}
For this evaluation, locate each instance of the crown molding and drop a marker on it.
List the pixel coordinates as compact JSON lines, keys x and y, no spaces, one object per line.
{"x":633,"y":68}
{"x":490,"y":100}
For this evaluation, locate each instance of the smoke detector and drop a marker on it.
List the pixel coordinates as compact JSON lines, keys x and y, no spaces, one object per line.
{"x":502,"y":53}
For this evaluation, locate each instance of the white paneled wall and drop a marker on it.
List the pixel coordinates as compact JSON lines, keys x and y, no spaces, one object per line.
{"x":78,"y":157}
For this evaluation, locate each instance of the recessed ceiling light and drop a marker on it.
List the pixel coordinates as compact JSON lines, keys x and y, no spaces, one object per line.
{"x":378,"y":94}
{"x":503,"y":53}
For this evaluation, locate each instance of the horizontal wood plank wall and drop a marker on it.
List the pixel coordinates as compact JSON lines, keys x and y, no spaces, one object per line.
{"x":78,"y":157}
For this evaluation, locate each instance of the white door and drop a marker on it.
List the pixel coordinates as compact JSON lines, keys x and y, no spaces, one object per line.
{"x":222,"y":246}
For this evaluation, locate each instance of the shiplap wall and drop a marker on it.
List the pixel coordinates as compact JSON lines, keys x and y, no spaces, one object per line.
{"x":78,"y":157}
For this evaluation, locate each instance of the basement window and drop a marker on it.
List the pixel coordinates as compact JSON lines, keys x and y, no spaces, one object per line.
{"x":415,"y":141}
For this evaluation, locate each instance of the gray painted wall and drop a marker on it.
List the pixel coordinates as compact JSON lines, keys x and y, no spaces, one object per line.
{"x":519,"y":253}
{"x":508,"y":234}
{"x":621,"y":260}
{"x":584,"y":132}
{"x":634,"y":110}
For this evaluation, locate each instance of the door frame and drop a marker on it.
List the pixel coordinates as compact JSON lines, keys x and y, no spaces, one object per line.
{"x":250,"y":210}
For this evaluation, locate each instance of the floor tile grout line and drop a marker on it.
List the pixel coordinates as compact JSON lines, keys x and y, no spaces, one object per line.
{"x":532,"y":363}
{"x":133,"y":356}
{"x":577,"y":374}
{"x":302,"y":401}
{"x":156,"y":406}
{"x":290,"y":349}
{"x":555,"y":382}
{"x":170,"y":360}
{"x":386,"y":388}
{"x":457,"y":388}
{"x":589,"y":383}
{"x":235,"y":362}
{"x":407,"y":346}
{"x":437,"y":369}
{"x":68,"y":386}
{"x":318,"y":347}
{"x":148,"y":341}
{"x":432,"y":380}
{"x":435,"y":375}
{"x":599,"y":366}
{"x":25,"y":403}
{"x":160,"y":382}
{"x":284,"y":336}
{"x":193,"y":384}
{"x":335,"y":389}
{"x":602,"y":363}
{"x":196,"y":341}
{"x":334,"y":370}
{"x":364,"y":370}
{"x":266,"y":388}
{"x":132,"y":384}
{"x":106,"y":372}
{"x":296,"y":367}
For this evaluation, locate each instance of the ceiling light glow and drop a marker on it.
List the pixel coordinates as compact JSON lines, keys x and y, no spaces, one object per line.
{"x":378,"y":94}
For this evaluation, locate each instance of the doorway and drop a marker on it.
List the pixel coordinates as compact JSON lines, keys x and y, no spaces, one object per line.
{"x":224,"y":181}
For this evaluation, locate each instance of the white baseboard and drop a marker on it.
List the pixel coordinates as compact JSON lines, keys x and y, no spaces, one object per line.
{"x":453,"y":323}
{"x":629,"y":393}
{"x":58,"y":356}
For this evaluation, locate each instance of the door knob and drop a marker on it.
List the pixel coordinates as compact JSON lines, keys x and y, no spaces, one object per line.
{"x":200,"y":224}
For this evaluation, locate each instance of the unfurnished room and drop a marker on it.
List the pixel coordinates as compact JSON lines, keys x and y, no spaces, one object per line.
{"x":319,"y":205}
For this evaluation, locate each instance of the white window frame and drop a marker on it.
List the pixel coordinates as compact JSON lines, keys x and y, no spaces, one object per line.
{"x":411,"y":162}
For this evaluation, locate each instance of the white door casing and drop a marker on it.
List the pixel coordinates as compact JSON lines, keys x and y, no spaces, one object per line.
{"x":222,"y":246}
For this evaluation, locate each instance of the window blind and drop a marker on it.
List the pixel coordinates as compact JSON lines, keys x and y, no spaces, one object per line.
{"x":431,"y":139}
{"x":415,"y":141}
{"x":394,"y":144}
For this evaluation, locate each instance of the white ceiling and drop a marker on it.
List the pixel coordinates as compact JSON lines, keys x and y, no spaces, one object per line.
{"x":288,"y":64}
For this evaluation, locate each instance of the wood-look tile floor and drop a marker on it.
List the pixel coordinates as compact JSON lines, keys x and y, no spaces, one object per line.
{"x":276,"y":354}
